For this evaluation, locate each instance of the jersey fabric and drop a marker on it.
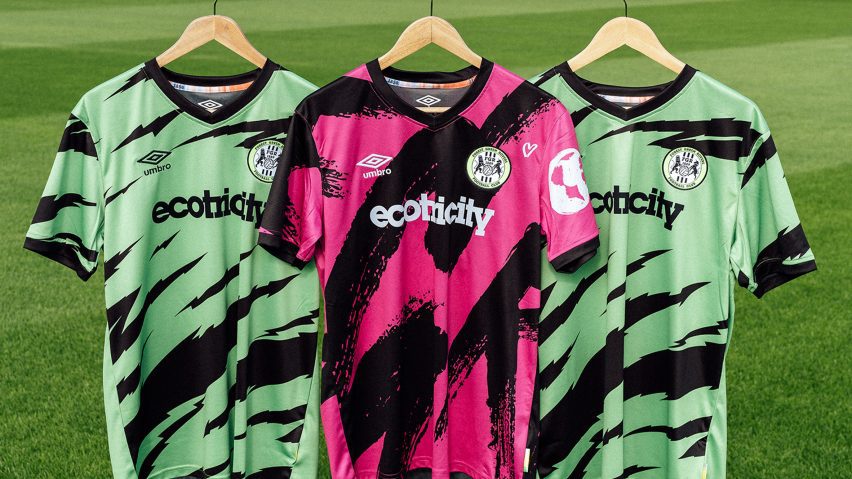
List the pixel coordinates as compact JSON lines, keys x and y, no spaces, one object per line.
{"x":426,"y":230}
{"x":691,"y":199}
{"x":210,"y":345}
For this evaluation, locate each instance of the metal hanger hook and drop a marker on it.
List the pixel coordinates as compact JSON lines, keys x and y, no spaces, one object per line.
{"x":431,"y":7}
{"x":625,"y":7}
{"x":217,"y":1}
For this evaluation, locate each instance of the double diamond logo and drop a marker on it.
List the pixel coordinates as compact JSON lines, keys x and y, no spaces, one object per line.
{"x":428,"y":100}
{"x":154,"y":157}
{"x":374,"y":160}
{"x":210,"y":105}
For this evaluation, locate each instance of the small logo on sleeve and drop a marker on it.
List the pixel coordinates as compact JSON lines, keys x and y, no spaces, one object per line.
{"x":685,"y":168}
{"x":488,"y":167}
{"x":529,"y":148}
{"x":263,"y":159}
{"x":568,"y":191}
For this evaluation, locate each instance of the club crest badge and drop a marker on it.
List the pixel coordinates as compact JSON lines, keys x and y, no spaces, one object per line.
{"x":263,"y":159}
{"x":488,"y":167}
{"x":685,"y":168}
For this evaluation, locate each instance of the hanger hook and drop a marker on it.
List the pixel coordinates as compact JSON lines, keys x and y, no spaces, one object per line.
{"x":217,"y":1}
{"x":431,"y":7}
{"x":625,"y":7}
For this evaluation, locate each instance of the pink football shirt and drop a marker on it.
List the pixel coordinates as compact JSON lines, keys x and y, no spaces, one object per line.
{"x":427,"y":230}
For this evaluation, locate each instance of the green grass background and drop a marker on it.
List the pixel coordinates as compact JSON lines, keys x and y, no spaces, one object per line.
{"x":789,"y":366}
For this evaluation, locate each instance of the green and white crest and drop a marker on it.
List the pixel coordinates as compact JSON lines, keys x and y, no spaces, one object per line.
{"x":263,"y":159}
{"x":488,"y":167}
{"x":685,"y":168}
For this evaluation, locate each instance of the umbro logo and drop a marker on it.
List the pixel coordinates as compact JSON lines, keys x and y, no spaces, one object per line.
{"x":154,"y":158}
{"x":428,"y":100}
{"x":210,"y":105}
{"x":376,"y":162}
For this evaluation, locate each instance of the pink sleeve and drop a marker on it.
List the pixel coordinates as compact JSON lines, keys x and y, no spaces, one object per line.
{"x":567,"y":218}
{"x":292,"y":219}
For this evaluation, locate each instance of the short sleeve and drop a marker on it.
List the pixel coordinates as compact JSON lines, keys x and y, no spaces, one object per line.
{"x":292,"y":220}
{"x":567,"y":218}
{"x":769,"y":246}
{"x":68,"y":223}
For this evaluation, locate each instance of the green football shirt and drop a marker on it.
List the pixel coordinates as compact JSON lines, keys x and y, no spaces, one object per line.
{"x":690,"y":198}
{"x":210,"y":348}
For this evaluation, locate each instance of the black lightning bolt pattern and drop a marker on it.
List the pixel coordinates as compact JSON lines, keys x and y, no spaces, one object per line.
{"x":263,"y":129}
{"x":136,"y":78}
{"x":164,"y":244}
{"x":109,"y":199}
{"x":154,"y":128}
{"x":111,"y":264}
{"x":739,"y":136}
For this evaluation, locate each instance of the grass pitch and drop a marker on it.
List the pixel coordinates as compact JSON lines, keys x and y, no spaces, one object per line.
{"x":789,"y":365}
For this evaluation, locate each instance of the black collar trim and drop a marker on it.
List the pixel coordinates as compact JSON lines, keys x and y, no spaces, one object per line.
{"x":591,"y":91}
{"x":377,"y":75}
{"x":163,"y":76}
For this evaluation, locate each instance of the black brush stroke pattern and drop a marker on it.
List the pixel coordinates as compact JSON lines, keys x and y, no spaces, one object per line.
{"x":77,"y":137}
{"x":49,"y":206}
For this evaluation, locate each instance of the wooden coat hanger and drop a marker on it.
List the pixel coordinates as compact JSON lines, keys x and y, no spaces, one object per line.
{"x":208,"y":28}
{"x":626,"y":31}
{"x":425,"y":31}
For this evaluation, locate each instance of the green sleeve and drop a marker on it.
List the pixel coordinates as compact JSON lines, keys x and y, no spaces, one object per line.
{"x":68,"y":223}
{"x":769,"y":246}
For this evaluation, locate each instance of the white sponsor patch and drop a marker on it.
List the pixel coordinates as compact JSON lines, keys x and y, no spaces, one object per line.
{"x":568,"y":192}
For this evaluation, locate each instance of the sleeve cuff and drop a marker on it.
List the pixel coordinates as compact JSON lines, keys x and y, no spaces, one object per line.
{"x":283,"y":250}
{"x":571,"y":260}
{"x":782,"y":274}
{"x":62,"y":253}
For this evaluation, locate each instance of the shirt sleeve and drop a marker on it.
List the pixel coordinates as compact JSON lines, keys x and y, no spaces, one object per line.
{"x":567,"y":218}
{"x":292,"y":220}
{"x":769,"y":246}
{"x":68,"y":223}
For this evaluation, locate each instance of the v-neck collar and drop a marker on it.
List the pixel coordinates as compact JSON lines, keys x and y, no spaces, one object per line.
{"x":377,"y":75}
{"x":163,"y":76}
{"x":590,"y":91}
